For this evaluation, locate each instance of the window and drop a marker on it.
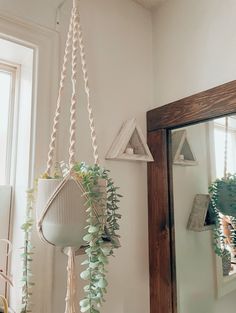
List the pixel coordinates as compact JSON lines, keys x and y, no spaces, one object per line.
{"x":7,"y":97}
{"x":36,"y":50}
{"x":16,"y":85}
{"x":8,"y":74}
{"x":219,"y":142}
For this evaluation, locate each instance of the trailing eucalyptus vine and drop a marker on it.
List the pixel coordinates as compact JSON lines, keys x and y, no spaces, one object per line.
{"x":102,"y":237}
{"x":27,"y":254}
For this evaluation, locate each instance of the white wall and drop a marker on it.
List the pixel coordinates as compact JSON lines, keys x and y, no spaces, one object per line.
{"x":194,"y":50}
{"x":195,"y":47}
{"x":118,"y":36}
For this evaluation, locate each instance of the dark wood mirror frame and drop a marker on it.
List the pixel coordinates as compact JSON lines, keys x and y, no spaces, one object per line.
{"x":206,"y":105}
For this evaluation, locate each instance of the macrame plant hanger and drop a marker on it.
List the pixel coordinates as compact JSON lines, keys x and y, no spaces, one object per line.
{"x":74,"y":45}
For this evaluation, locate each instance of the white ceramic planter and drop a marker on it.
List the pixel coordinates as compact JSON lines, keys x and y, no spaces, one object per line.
{"x":64,"y":223}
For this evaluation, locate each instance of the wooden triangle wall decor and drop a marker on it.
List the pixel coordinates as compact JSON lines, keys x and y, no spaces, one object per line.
{"x":202,"y":216}
{"x":182,"y":153}
{"x":130,"y":144}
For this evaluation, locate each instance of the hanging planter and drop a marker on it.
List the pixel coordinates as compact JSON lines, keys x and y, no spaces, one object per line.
{"x":60,"y":204}
{"x":77,"y":206}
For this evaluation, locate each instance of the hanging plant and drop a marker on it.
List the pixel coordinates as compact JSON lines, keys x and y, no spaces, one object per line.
{"x":27,"y":254}
{"x":102,"y":224}
{"x":78,"y":206}
{"x":102,"y":237}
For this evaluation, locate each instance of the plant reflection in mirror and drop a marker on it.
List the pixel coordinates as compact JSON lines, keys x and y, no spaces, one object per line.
{"x":223,"y":202}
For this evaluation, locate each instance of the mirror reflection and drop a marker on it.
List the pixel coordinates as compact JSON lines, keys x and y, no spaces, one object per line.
{"x":204,"y":184}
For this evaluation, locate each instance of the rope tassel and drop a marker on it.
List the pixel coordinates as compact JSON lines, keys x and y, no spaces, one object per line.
{"x":71,"y":301}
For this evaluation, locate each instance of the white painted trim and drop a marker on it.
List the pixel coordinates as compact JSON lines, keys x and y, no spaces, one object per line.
{"x":45,"y":43}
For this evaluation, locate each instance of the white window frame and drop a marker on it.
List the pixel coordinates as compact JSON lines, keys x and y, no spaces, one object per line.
{"x":14,"y":70}
{"x":45,"y":43}
{"x":6,"y":190}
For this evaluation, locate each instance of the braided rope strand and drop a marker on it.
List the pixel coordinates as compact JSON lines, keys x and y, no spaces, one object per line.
{"x":52,"y":144}
{"x":87,"y":91}
{"x":74,"y":81}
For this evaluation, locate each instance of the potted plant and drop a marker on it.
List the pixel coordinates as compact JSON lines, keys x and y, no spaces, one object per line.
{"x":95,"y":231}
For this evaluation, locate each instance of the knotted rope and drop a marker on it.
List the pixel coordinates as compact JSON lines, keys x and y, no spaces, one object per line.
{"x":52,"y":144}
{"x":74,"y":42}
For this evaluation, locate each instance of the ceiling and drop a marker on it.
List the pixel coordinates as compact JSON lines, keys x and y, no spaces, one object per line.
{"x":146,"y":3}
{"x":149,"y":3}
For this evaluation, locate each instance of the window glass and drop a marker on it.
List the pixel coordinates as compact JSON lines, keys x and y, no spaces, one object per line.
{"x":5,"y":100}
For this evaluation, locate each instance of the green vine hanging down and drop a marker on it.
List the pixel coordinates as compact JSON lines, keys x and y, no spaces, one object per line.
{"x":27,"y":254}
{"x":102,"y":237}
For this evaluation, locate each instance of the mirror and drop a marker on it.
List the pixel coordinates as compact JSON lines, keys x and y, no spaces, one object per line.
{"x":185,"y":273}
{"x":201,"y":153}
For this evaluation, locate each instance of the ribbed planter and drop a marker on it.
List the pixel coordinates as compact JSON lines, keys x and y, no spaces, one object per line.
{"x":65,"y":221}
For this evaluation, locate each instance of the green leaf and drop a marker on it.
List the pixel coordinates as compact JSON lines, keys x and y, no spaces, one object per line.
{"x":85,"y":275}
{"x":85,"y":309}
{"x":88,"y":238}
{"x":102,"y":283}
{"x":93,"y":229}
{"x":84,"y":303}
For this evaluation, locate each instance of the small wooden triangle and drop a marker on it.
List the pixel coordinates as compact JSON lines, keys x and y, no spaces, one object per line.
{"x":130,"y":144}
{"x":202,"y":216}
{"x":182,"y":152}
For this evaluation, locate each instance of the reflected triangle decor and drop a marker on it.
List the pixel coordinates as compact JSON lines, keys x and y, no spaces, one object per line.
{"x":130,"y":144}
{"x":182,"y":153}
{"x":202,"y":215}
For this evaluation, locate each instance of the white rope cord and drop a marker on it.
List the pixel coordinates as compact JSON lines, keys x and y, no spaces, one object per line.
{"x":226,"y":146}
{"x":71,"y":300}
{"x":75,"y":43}
{"x":52,"y":145}
{"x":87,"y":91}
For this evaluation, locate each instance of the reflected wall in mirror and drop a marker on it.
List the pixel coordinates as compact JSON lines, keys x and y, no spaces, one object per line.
{"x":197,"y":266}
